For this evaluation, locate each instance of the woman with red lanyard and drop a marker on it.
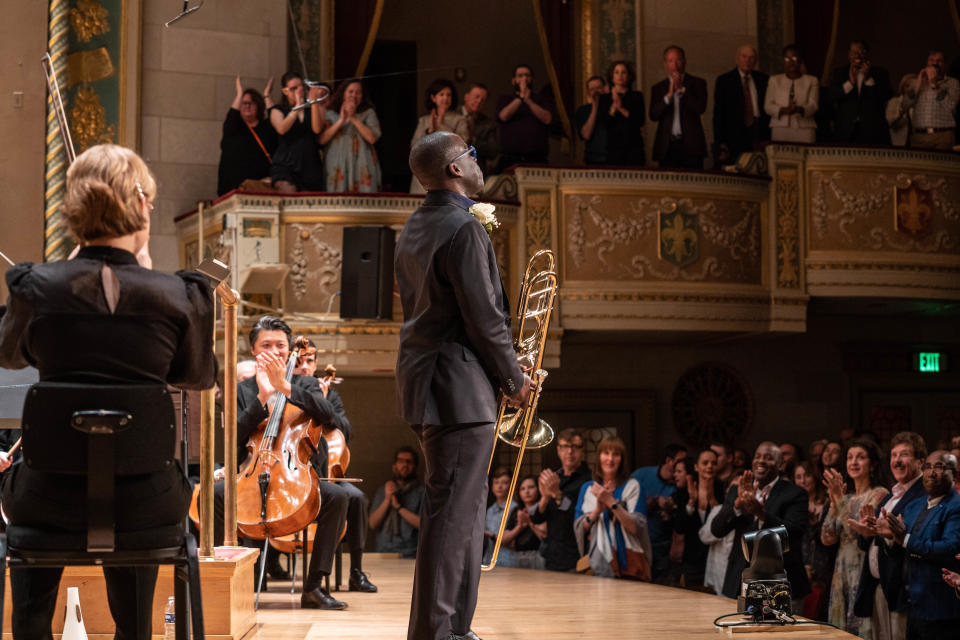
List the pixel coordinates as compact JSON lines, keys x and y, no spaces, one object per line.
{"x":248,"y":142}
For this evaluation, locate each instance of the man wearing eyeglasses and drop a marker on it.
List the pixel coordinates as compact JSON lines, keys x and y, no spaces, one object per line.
{"x":559,"y":491}
{"x":455,"y":352}
{"x":928,"y":534}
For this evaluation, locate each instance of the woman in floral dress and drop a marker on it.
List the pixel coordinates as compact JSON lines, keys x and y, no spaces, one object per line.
{"x":352,"y":129}
{"x":863,"y":469}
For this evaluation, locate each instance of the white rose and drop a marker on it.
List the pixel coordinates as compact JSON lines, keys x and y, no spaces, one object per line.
{"x":483,"y":212}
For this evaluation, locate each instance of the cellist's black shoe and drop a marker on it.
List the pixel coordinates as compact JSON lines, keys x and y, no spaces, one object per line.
{"x":360,"y":582}
{"x":320,"y":599}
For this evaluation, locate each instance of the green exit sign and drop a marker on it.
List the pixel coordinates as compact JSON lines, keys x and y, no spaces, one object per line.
{"x":929,"y":361}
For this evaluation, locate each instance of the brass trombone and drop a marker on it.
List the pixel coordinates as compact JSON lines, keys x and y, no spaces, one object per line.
{"x":523,"y":428}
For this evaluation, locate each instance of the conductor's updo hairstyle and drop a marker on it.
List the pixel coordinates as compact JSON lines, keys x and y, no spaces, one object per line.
{"x":105,"y":187}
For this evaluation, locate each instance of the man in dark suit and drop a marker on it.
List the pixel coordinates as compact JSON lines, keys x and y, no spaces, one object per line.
{"x":859,"y":93}
{"x":270,"y":342}
{"x":677,"y":104}
{"x":928,"y":534}
{"x":887,"y":606}
{"x":455,"y":350}
{"x":762,"y":499}
{"x":740,"y":123}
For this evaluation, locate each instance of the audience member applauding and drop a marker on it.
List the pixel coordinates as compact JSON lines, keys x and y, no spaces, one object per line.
{"x":792,"y":456}
{"x":928,"y":535}
{"x":499,"y":487}
{"x":818,"y":558}
{"x":759,"y":501}
{"x":676,"y":104}
{"x":296,"y":162}
{"x":622,"y":110}
{"x":656,"y":484}
{"x":441,"y":105}
{"x":524,"y":118}
{"x":483,"y":128}
{"x":725,"y":460}
{"x":718,"y":553}
{"x":352,"y":129}
{"x":830,"y":457}
{"x":591,"y":125}
{"x":739,"y":122}
{"x":559,"y":491}
{"x":695,"y":498}
{"x":863,"y":469}
{"x":859,"y":93}
{"x":792,"y":99}
{"x":934,"y":98}
{"x":395,"y":512}
{"x":522,"y":535}
{"x":248,"y":140}
{"x":887,"y":605}
{"x":610,"y":529}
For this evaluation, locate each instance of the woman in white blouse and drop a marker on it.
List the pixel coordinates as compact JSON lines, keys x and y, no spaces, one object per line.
{"x":792,"y":99}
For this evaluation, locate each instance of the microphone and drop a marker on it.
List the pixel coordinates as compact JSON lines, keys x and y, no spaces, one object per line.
{"x":187,"y":10}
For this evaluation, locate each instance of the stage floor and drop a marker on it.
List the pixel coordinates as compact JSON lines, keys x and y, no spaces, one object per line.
{"x":514,"y":604}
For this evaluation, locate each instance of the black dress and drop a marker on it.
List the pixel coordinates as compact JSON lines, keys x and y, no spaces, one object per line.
{"x":624,"y":135}
{"x":694,"y":563}
{"x":58,"y":320}
{"x":241,"y":157}
{"x":297,"y":158}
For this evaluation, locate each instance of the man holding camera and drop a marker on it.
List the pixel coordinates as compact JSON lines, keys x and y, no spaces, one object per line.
{"x":933,"y":97}
{"x":859,"y":93}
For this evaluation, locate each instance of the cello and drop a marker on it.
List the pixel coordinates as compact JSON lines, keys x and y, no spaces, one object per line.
{"x":277,"y":488}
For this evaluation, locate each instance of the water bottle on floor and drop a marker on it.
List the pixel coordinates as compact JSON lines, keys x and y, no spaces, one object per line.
{"x":170,"y":620}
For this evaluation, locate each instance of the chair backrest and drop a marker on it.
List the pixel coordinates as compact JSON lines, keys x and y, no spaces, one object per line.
{"x":59,"y":420}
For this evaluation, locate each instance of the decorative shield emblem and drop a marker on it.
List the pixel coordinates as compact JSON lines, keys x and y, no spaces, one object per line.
{"x":912,"y":209}
{"x":679,"y":236}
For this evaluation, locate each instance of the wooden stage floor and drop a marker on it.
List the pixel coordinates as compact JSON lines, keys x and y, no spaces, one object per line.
{"x":514,"y":604}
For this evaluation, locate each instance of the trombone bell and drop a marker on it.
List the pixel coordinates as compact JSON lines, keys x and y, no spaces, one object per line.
{"x":511,"y":431}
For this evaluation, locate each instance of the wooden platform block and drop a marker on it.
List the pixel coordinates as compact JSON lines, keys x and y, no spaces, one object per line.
{"x":225,"y":582}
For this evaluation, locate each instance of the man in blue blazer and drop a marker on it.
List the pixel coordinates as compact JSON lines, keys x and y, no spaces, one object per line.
{"x":887,"y":606}
{"x":928,"y":533}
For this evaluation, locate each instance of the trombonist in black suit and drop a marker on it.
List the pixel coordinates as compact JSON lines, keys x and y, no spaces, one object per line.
{"x":455,"y":351}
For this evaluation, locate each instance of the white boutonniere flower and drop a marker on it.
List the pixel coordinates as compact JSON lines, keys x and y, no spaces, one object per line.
{"x":483,"y":212}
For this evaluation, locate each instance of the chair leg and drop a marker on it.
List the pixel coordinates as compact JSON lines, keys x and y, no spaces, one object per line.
{"x":263,"y":570}
{"x":196,"y":597}
{"x":293,"y":571}
{"x":3,"y":573}
{"x":338,"y":565}
{"x":181,"y":606}
{"x":306,"y":559}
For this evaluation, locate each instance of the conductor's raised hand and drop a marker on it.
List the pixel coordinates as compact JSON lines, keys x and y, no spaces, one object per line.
{"x":522,"y":397}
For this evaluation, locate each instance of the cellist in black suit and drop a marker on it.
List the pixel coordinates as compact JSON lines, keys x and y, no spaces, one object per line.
{"x":455,"y":352}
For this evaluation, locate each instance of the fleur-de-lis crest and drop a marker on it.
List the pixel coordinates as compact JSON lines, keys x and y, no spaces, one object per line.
{"x":913,"y":211}
{"x":679,"y":237}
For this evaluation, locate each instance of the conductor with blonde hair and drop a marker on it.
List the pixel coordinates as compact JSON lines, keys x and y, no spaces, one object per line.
{"x":103,"y":316}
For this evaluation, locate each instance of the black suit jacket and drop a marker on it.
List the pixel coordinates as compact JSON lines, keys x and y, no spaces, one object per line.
{"x":692,"y":105}
{"x":456,"y":337}
{"x":786,"y":505}
{"x":728,"y":108}
{"x":859,"y":116}
{"x":890,"y":564}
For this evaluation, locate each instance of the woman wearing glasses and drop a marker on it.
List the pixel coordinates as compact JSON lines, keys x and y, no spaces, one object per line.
{"x":248,"y":142}
{"x":792,"y":99}
{"x":352,"y":129}
{"x":440,"y":104}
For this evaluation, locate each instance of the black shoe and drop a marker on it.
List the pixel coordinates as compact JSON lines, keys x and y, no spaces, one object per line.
{"x":359,"y":582}
{"x":276,"y":572}
{"x":320,"y":599}
{"x":469,"y":635}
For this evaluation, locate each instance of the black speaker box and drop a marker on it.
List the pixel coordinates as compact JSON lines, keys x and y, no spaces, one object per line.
{"x":366,"y":282}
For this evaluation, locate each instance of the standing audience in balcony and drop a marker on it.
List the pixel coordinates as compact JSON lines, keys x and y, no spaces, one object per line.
{"x":610,"y":529}
{"x":740,"y":123}
{"x":882,"y":593}
{"x":791,"y":101}
{"x":352,"y":129}
{"x":859,"y":92}
{"x":296,"y":162}
{"x":863,"y":470}
{"x":559,"y":491}
{"x":899,"y":113}
{"x":591,"y":126}
{"x":933,"y":97}
{"x":248,"y":142}
{"x":656,"y":485}
{"x":623,"y":113}
{"x":676,"y":105}
{"x":522,"y":535}
{"x":440,"y":104}
{"x":524,"y":117}
{"x":483,"y":128}
{"x":927,"y":535}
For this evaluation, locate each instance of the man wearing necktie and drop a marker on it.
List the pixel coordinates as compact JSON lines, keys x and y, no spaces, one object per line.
{"x":676,"y":104}
{"x":739,"y":122}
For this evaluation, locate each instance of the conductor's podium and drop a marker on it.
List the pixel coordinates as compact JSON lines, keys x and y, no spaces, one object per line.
{"x":226,"y":584}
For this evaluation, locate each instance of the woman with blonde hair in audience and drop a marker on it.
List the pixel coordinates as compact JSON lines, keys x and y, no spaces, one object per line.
{"x":863,"y":469}
{"x":352,"y":129}
{"x":499,"y":487}
{"x":818,"y":559}
{"x":521,"y":534}
{"x":440,"y":104}
{"x":610,"y":527}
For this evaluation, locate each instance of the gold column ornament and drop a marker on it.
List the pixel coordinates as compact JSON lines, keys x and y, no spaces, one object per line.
{"x":56,"y":245}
